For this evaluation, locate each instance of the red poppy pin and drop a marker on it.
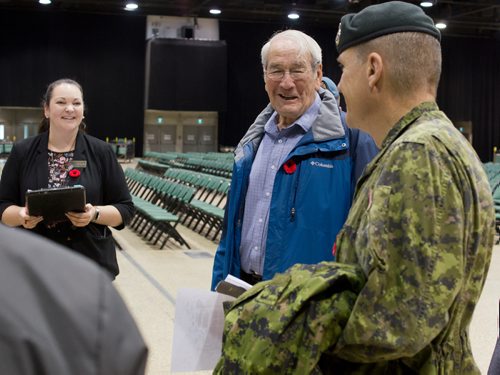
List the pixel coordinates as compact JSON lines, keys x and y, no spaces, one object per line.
{"x":74,"y":173}
{"x":290,"y":166}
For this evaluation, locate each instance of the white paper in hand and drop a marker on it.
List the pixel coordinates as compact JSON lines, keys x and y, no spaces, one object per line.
{"x":198,"y":327}
{"x":238,"y":282}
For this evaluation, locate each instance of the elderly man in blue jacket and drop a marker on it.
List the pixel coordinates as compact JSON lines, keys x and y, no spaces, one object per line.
{"x":295,"y":170}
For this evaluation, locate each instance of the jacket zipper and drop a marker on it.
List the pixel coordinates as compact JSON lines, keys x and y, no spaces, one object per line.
{"x":293,"y":210}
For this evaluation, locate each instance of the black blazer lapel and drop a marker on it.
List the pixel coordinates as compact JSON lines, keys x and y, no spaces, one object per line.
{"x":41,"y":162}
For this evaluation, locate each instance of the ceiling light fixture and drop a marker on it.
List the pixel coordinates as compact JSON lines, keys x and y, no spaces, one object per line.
{"x":427,"y":3}
{"x":215,"y":11}
{"x":44,"y":2}
{"x":131,"y":6}
{"x":293,"y":15}
{"x":441,"y":25}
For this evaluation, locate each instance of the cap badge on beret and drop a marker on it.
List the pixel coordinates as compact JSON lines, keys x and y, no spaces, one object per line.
{"x":337,"y":38}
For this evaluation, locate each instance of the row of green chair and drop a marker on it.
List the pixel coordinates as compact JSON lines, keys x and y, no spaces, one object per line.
{"x":203,"y":181}
{"x":206,"y":155}
{"x":159,"y":204}
{"x":492,"y":169}
{"x":157,"y":189}
{"x":216,"y":167}
{"x":6,"y":147}
{"x":205,"y":213}
{"x":148,"y":217}
{"x":216,"y":163}
{"x":161,"y":156}
{"x":219,"y":156}
{"x":152,"y":221}
{"x":152,"y":166}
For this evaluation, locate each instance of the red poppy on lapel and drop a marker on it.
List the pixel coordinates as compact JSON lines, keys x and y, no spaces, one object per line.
{"x":74,"y":173}
{"x":290,"y":166}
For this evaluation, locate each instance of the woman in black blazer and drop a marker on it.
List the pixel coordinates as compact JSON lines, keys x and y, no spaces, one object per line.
{"x":63,"y":155}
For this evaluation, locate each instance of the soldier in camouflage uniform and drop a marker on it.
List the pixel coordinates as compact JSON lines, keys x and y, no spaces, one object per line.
{"x":422,"y":224}
{"x":421,"y":228}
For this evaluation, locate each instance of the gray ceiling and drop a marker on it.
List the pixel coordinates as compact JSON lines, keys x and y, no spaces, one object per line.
{"x":478,"y":18}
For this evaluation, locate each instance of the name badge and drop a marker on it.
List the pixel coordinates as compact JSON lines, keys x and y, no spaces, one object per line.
{"x":79,"y":163}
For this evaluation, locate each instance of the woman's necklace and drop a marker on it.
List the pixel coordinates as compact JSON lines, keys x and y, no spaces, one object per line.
{"x":62,"y":149}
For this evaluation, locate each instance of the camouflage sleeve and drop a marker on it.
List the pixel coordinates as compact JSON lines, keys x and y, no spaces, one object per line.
{"x":412,"y":253}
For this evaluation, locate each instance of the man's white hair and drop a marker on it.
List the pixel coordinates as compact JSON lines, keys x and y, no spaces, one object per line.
{"x":306,"y":45}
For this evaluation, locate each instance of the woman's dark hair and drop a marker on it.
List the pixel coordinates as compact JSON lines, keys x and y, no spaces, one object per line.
{"x":45,"y":123}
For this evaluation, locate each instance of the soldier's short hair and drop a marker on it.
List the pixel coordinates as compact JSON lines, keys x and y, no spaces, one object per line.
{"x":413,"y":60}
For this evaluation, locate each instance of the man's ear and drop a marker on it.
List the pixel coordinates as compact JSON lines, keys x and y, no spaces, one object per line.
{"x":319,"y":76}
{"x":375,"y":68}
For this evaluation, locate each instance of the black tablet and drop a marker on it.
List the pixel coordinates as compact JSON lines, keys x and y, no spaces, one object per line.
{"x":53,"y":203}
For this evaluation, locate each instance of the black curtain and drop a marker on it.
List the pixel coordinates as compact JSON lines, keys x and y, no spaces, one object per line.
{"x":186,"y":75}
{"x":469,"y":88}
{"x":104,"y":53}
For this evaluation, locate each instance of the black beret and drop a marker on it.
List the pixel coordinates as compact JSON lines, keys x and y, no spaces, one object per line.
{"x":382,"y":19}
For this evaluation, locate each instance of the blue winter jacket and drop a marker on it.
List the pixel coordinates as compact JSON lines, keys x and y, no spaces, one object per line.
{"x":309,"y":206}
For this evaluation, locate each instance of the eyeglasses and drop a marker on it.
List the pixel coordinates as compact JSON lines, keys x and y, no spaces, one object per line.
{"x":277,"y":75}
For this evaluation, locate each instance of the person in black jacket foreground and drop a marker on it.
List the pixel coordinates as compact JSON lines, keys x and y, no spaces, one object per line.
{"x":60,"y":313}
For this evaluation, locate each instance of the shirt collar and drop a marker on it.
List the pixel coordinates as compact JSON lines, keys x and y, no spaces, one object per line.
{"x":304,"y":122}
{"x":408,"y":119}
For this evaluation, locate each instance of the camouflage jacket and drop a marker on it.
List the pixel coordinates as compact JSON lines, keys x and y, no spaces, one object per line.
{"x":421,"y":228}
